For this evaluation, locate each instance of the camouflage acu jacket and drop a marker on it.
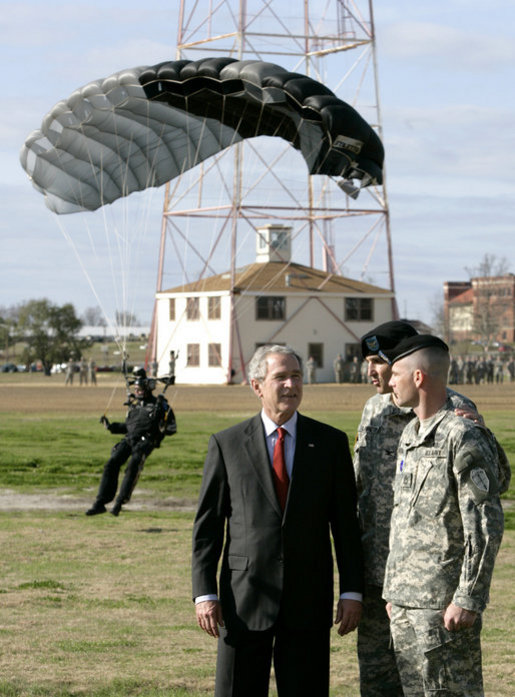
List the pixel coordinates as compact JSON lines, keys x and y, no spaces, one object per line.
{"x":447,"y":519}
{"x":375,"y":451}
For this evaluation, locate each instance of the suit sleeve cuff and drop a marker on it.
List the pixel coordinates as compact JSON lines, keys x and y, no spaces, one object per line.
{"x":352,"y":596}
{"x":203,"y":598}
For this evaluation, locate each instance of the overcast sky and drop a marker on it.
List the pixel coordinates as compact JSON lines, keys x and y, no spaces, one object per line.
{"x":446,"y":76}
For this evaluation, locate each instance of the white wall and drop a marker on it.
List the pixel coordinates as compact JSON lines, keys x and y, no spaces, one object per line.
{"x":311,"y":321}
{"x":177,"y":335}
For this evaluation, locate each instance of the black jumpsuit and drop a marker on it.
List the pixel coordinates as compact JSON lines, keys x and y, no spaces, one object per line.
{"x":145,"y":429}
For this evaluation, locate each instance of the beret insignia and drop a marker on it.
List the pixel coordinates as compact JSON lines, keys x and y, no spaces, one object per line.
{"x":372,"y":343}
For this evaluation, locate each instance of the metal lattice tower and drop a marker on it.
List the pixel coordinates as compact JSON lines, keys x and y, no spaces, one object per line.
{"x":211,"y":213}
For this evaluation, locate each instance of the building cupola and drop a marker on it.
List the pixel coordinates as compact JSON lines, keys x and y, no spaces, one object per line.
{"x":273,"y":243}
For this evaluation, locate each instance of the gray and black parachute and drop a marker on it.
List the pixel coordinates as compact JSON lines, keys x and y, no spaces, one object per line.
{"x":144,"y":126}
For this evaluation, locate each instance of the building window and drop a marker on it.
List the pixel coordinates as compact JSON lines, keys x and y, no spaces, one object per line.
{"x":193,"y":355}
{"x":192,"y":308}
{"x":214,"y":308}
{"x":262,"y":241}
{"x":171,"y":309}
{"x":317,"y":351}
{"x":214,"y":355}
{"x":279,"y":239}
{"x":360,"y":309}
{"x":270,"y":307}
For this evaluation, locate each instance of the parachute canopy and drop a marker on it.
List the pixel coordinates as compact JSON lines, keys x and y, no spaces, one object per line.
{"x":144,"y":126}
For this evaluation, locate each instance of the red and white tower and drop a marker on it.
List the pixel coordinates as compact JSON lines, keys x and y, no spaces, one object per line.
{"x":211,"y":213}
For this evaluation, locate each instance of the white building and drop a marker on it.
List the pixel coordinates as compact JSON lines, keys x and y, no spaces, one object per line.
{"x":215,"y":331}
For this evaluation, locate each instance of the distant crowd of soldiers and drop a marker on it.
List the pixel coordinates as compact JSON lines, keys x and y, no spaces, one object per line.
{"x":86,"y":370}
{"x":464,"y":370}
{"x":477,"y":370}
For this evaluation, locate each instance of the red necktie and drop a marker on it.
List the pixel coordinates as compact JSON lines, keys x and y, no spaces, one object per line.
{"x":281,"y":479}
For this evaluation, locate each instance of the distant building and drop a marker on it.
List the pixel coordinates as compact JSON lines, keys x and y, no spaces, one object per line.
{"x":214,"y":331}
{"x":110,"y":333}
{"x":483,"y":306}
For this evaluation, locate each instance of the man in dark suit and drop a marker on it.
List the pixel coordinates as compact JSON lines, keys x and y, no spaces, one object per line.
{"x":274,"y":599}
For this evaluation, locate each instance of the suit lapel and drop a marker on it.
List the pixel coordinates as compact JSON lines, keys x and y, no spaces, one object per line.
{"x":305,"y":451}
{"x":305,"y":445}
{"x":255,"y":446}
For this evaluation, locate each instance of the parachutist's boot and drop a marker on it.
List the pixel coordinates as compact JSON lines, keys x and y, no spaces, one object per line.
{"x":96,"y":508}
{"x":115,"y":510}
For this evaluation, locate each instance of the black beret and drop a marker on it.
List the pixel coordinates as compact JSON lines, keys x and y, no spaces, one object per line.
{"x":414,"y":343}
{"x":385,"y":336}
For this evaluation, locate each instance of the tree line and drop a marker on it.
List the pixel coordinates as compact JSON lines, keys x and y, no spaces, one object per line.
{"x":50,"y":333}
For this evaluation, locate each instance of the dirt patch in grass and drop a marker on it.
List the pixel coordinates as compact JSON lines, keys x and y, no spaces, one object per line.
{"x":60,"y":502}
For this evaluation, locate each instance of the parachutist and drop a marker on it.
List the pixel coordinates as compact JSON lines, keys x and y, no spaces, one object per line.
{"x":149,"y":419}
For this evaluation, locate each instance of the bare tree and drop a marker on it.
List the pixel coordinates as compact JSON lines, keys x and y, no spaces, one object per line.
{"x":489,"y":266}
{"x":126,"y":319}
{"x":490,"y":303}
{"x":439,"y":322}
{"x":94,"y":317}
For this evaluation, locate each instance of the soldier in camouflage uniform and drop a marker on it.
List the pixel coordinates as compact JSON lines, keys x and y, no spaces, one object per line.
{"x":381,"y":426}
{"x":446,"y":528}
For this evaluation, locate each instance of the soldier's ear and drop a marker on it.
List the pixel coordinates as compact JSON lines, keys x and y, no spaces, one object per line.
{"x":418,"y":377}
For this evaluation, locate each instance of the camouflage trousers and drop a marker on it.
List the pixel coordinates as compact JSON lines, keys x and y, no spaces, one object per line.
{"x":378,"y":675}
{"x":432,"y":661}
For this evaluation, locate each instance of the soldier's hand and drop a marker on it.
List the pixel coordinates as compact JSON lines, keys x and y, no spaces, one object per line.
{"x":389,"y":610}
{"x":105,"y":421}
{"x":456,"y":618}
{"x":471,"y":415}
{"x":209,"y":617}
{"x":348,"y":614}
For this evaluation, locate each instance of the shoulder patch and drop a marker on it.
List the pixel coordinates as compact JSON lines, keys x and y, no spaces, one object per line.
{"x":480,"y":479}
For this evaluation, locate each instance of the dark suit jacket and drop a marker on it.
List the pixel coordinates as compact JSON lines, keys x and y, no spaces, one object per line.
{"x":271,"y":561}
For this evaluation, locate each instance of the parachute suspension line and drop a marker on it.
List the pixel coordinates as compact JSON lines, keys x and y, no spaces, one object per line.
{"x":122,"y":243}
{"x":73,"y":246}
{"x":259,"y":120}
{"x":110,"y":399}
{"x":196,"y":158}
{"x":115,"y":273}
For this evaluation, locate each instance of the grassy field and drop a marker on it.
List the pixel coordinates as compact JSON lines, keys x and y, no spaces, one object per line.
{"x":101,"y":607}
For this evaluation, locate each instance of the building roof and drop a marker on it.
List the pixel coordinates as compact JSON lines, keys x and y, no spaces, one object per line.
{"x":465,"y":298}
{"x":275,"y":277}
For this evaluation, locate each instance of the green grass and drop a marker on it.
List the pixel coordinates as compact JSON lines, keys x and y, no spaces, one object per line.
{"x":68,"y":453}
{"x":101,"y":607}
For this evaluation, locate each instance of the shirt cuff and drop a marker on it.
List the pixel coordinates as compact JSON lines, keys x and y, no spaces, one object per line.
{"x":352,"y":596}
{"x":203,"y":598}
